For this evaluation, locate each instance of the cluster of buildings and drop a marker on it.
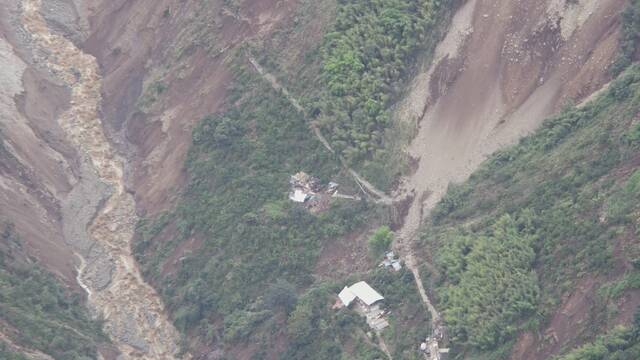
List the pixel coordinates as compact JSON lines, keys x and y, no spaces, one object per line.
{"x":305,"y":187}
{"x":430,"y":347}
{"x":308,"y":190}
{"x":391,"y":261}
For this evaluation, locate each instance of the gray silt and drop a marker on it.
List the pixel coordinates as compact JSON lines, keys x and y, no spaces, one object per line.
{"x":78,"y":211}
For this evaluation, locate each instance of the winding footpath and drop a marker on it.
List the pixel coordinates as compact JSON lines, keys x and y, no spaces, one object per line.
{"x":134,"y":314}
{"x":406,"y":234}
{"x":378,"y":196}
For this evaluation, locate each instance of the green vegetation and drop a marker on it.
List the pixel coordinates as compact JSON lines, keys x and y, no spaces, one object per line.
{"x":7,"y":354}
{"x":44,"y":315}
{"x":617,"y":288}
{"x":491,"y":283}
{"x":629,"y":37}
{"x":380,"y":241}
{"x":318,"y":332}
{"x":253,"y":273}
{"x":408,"y":320}
{"x":151,"y":94}
{"x":558,"y":203}
{"x":366,"y":58}
{"x":259,"y":249}
{"x":619,"y":344}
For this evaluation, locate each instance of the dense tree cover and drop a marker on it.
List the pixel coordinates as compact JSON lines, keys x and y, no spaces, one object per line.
{"x":365,"y":60}
{"x":259,"y":248}
{"x":629,"y":36}
{"x":621,"y":343}
{"x":570,"y":193}
{"x":45,"y":315}
{"x":491,"y":283}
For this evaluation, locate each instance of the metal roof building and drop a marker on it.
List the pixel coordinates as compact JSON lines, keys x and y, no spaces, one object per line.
{"x":346,"y":296}
{"x":361,"y":291}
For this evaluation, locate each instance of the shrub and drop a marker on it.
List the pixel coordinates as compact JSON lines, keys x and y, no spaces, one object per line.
{"x":380,"y":241}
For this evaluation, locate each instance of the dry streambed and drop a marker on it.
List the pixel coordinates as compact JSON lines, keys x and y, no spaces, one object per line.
{"x":99,"y":208}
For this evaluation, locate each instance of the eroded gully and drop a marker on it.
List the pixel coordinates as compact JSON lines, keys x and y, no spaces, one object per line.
{"x":133,"y":312}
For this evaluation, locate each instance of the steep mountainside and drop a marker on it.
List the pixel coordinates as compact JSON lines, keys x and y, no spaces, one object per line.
{"x":40,"y":319}
{"x":539,"y":248}
{"x":146,"y":149}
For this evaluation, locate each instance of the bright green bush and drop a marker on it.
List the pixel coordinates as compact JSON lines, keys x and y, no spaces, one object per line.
{"x":380,"y":241}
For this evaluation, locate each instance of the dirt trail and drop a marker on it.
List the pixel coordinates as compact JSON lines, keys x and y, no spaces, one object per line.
{"x":384,"y":347}
{"x":134,"y":314}
{"x":367,"y":187}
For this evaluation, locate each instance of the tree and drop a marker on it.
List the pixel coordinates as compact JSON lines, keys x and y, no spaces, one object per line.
{"x":281,"y":295}
{"x":380,"y":241}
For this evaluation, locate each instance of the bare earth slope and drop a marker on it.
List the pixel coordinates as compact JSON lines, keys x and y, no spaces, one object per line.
{"x":133,"y":312}
{"x":503,"y":67}
{"x":37,"y":163}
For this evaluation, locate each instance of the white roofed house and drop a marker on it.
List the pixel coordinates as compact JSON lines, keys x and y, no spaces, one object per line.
{"x":361,"y":291}
{"x":365,"y":293}
{"x":367,"y":300}
{"x":346,"y":296}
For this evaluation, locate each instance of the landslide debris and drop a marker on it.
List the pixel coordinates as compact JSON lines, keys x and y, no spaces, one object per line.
{"x":134,"y":314}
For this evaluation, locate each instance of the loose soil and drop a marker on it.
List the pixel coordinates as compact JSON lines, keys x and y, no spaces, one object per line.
{"x":133,"y":312}
{"x":517,"y":65}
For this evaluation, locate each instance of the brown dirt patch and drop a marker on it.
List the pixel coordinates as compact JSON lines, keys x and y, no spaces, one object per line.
{"x":565,"y":326}
{"x":133,"y":50}
{"x":344,"y":256}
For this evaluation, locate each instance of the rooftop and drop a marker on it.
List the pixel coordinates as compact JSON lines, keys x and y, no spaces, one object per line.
{"x":346,"y":296}
{"x":365,"y":293}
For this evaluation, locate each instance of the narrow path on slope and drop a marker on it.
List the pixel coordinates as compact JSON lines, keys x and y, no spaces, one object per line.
{"x":409,"y":230}
{"x":367,"y":187}
{"x":384,"y":347}
{"x":134,"y":314}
